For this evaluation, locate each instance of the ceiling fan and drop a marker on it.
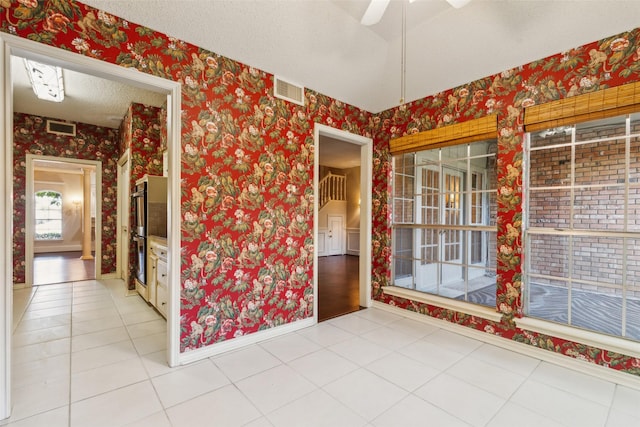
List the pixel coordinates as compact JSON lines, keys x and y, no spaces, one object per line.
{"x":376,"y":9}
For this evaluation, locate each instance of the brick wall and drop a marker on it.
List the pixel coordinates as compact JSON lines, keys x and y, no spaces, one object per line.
{"x":600,"y":207}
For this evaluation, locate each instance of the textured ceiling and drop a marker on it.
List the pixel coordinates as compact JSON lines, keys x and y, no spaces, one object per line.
{"x":88,"y":99}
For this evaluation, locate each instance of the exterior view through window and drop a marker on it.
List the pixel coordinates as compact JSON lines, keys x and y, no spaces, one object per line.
{"x":582,"y":225}
{"x":444,"y":230}
{"x":48,"y":215}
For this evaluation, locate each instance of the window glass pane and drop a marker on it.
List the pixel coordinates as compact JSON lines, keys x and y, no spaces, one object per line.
{"x":454,"y":152}
{"x":549,"y":255}
{"x":597,"y":259}
{"x":634,"y":158}
{"x":481,"y":148}
{"x":633,"y":288}
{"x":597,"y":129}
{"x":609,"y":308}
{"x":429,"y":246}
{"x":555,"y":136}
{"x":493,"y":207}
{"x":599,"y":208}
{"x":633,"y":219}
{"x":550,"y":208}
{"x":48,"y":215}
{"x":452,"y":191}
{"x":549,"y":299}
{"x":601,"y":162}
{"x":550,"y":167}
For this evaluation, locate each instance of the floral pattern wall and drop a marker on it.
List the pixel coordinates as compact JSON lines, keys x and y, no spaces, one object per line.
{"x":141,"y":132}
{"x":607,"y":63}
{"x":90,"y":143}
{"x":247,"y":158}
{"x":246,"y":175}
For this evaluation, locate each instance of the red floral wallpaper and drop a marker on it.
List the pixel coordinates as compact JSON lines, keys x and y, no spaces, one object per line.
{"x":90,"y":143}
{"x":607,"y":63}
{"x":141,"y":132}
{"x":247,"y":163}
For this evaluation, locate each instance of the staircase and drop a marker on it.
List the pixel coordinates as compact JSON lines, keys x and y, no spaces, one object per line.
{"x":332,"y":187}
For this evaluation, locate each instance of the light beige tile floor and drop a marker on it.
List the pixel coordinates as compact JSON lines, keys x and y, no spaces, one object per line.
{"x":85,"y":355}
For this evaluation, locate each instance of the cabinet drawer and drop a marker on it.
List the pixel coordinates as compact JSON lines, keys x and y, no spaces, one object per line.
{"x":161,"y":273}
{"x":162,"y":300}
{"x":158,"y":250}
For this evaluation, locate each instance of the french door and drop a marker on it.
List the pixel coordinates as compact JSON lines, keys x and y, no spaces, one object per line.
{"x":440,"y":200}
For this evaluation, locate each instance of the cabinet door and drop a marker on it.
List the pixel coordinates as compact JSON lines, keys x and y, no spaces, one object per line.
{"x":161,"y":276}
{"x":151,"y":281}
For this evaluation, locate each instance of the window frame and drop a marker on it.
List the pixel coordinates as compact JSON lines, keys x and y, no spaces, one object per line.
{"x":572,"y":233}
{"x":465,"y":228}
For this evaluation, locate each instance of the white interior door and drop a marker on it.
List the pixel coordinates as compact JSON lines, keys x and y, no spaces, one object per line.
{"x":335,"y":237}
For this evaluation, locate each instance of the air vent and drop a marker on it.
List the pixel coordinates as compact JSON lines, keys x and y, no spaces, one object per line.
{"x":289,"y":91}
{"x":61,"y":128}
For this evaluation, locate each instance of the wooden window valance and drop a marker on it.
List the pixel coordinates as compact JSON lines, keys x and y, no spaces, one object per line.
{"x":602,"y":104}
{"x":459,"y":133}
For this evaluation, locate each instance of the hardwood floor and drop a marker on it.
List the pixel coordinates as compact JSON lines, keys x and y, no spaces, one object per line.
{"x":338,"y":286}
{"x":60,"y":267}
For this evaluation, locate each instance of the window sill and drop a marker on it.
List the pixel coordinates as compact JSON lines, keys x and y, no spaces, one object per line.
{"x":449,"y":304}
{"x":590,"y":338}
{"x":48,"y":240}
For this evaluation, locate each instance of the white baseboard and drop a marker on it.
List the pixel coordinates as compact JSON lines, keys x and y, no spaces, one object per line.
{"x":236,"y":343}
{"x":57,"y":248}
{"x":598,"y":371}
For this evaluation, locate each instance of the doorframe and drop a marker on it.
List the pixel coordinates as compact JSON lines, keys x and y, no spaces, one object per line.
{"x":366,"y":186}
{"x":123,"y":207}
{"x":12,"y":45}
{"x":29,"y":230}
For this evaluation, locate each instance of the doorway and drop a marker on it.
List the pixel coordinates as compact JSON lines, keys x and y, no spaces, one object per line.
{"x":62,"y":234}
{"x":338,"y":270}
{"x":13,"y":46}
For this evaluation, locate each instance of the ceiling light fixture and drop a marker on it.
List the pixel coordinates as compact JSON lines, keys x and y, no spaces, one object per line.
{"x":46,"y":80}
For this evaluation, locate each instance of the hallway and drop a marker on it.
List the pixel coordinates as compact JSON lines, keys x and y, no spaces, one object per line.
{"x":338,"y":286}
{"x":60,"y":267}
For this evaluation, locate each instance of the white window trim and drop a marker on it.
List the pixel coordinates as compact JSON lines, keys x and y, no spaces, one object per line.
{"x":443,"y":302}
{"x":583,"y":336}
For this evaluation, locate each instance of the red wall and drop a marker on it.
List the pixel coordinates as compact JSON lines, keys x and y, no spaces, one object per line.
{"x":566,"y":74}
{"x":141,"y":132}
{"x":90,"y":143}
{"x":247,"y":162}
{"x":247,"y":170}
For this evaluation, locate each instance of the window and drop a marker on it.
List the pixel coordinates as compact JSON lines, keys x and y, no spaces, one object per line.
{"x":48,"y":215}
{"x":582,"y":225}
{"x":444,"y":231}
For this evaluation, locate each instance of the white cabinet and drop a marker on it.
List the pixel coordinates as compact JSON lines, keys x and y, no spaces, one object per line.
{"x":157,"y":278}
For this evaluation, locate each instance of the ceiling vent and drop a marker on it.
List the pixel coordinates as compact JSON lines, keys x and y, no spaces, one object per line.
{"x":289,"y":91}
{"x":61,"y":128}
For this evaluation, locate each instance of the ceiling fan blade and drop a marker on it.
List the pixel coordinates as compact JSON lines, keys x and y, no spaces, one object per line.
{"x":458,"y":3}
{"x":374,"y":12}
